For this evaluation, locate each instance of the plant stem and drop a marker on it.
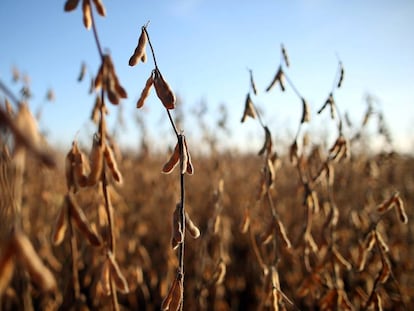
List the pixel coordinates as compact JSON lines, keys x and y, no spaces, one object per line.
{"x":95,"y":34}
{"x":182,"y":211}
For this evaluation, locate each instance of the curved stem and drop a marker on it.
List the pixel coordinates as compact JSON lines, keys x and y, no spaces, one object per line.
{"x":144,"y":28}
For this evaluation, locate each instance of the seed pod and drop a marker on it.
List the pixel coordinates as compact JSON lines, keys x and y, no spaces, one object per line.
{"x":277,"y":78}
{"x":252,"y":84}
{"x":96,"y":158}
{"x":174,"y":298}
{"x":267,"y":146}
{"x":282,"y":234}
{"x":163,"y":90}
{"x":385,"y":271}
{"x":341,"y":260}
{"x":249,"y":110}
{"x":99,"y":7}
{"x":144,"y":57}
{"x":268,"y":234}
{"x":70,"y":5}
{"x":188,"y":167}
{"x":220,"y":273}
{"x":293,"y":152}
{"x":97,"y":83}
{"x":60,"y":226}
{"x":327,"y":102}
{"x":82,"y":222}
{"x":111,"y":162}
{"x":38,"y":272}
{"x":177,"y":231}
{"x":116,"y":274}
{"x":140,"y":49}
{"x":82,"y":72}
{"x":81,"y":166}
{"x":191,"y":227}
{"x":6,"y":266}
{"x":173,"y":161}
{"x":87,"y":14}
{"x":341,"y":75}
{"x":381,"y":242}
{"x":145,"y":92}
{"x":305,"y":112}
{"x":401,"y":210}
{"x":285,"y":56}
{"x":105,"y":280}
{"x":246,"y":221}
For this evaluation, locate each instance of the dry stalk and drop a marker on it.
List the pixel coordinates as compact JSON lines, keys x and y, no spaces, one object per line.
{"x":175,"y":299}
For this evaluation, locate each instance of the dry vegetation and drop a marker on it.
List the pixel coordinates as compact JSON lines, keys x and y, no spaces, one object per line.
{"x":312,"y":227}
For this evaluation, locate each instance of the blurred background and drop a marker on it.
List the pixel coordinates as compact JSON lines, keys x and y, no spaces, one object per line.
{"x":204,"y":50}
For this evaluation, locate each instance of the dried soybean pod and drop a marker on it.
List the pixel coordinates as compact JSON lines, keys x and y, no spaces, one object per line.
{"x":99,"y":7}
{"x":173,"y":161}
{"x":70,"y":5}
{"x":60,"y":226}
{"x":174,"y":297}
{"x":189,"y":168}
{"x":6,"y":266}
{"x":252,"y":84}
{"x":111,"y":162}
{"x":248,"y":109}
{"x":140,"y":49}
{"x":273,"y":82}
{"x":283,"y":235}
{"x":146,"y":90}
{"x":26,"y":254}
{"x":341,"y":75}
{"x":401,"y":210}
{"x":267,"y":146}
{"x":116,"y":274}
{"x":191,"y":227}
{"x":163,"y":90}
{"x":177,"y":232}
{"x":105,"y":278}
{"x":285,"y":56}
{"x":96,"y":158}
{"x":81,"y":221}
{"x":87,"y":14}
{"x":305,"y":112}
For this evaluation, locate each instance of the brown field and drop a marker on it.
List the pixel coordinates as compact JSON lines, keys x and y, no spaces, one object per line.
{"x":143,"y":208}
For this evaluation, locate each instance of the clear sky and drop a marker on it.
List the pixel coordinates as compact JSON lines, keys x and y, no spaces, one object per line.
{"x":203,"y":49}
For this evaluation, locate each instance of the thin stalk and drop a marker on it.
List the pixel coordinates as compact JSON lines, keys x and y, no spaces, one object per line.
{"x":292,"y":86}
{"x":144,"y":28}
{"x":182,"y":213}
{"x":95,"y":34}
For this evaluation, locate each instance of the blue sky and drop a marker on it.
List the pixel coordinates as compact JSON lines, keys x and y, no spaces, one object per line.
{"x":203,"y":49}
